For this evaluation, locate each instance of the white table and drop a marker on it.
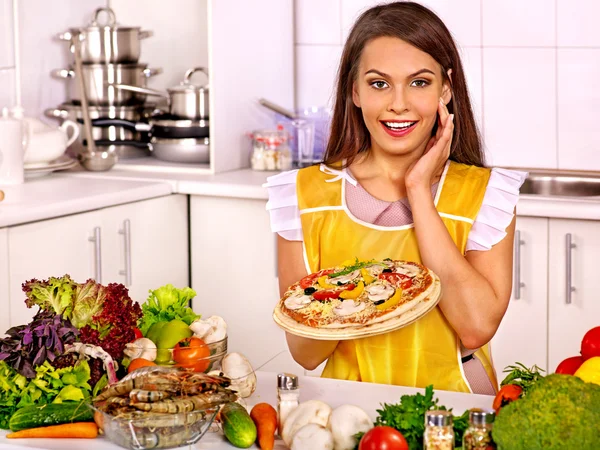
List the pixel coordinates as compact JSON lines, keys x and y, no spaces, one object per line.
{"x":333,"y":392}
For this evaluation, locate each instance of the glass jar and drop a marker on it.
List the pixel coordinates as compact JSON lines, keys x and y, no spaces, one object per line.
{"x":288,"y":396}
{"x":271,"y":150}
{"x":479,"y":434}
{"x":439,"y":431}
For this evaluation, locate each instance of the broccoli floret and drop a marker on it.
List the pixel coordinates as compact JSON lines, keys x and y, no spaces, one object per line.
{"x":559,"y":412}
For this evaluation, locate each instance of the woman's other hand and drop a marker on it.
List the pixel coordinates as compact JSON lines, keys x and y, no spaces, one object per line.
{"x":422,"y":172}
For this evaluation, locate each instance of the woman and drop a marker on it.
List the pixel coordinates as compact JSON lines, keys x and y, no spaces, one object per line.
{"x":404,"y":178}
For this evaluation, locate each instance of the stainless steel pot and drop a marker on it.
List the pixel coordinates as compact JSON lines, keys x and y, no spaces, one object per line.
{"x":187,"y":101}
{"x":99,"y":81}
{"x":108,"y":43}
{"x":190,"y":150}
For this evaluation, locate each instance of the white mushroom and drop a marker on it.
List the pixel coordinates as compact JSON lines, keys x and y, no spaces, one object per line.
{"x":377,"y":292}
{"x":141,"y":348}
{"x":237,"y":367}
{"x":297,"y":301}
{"x":346,"y":421}
{"x":312,"y":437}
{"x":411,"y":271}
{"x":344,"y":279}
{"x":311,"y":411}
{"x":210,"y":330}
{"x":348,"y":307}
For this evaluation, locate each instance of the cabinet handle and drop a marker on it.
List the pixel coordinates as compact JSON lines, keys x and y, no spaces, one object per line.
{"x":96,"y":239}
{"x":126,"y":232}
{"x":518,"y":284}
{"x":569,"y":248}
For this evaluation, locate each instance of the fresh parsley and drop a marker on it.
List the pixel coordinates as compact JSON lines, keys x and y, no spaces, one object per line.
{"x":522,"y":376}
{"x":356,"y":266}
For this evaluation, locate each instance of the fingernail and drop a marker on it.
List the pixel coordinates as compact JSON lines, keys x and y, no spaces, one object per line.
{"x":442,"y":101}
{"x":452,"y":117}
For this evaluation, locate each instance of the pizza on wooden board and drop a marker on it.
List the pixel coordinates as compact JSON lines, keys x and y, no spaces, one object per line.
{"x":358,"y":298}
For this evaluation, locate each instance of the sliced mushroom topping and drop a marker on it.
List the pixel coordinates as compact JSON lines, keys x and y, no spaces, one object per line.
{"x":408,"y":270}
{"x":375,"y":269}
{"x":377,"y":292}
{"x":297,"y":301}
{"x":348,"y":307}
{"x":345,"y":279}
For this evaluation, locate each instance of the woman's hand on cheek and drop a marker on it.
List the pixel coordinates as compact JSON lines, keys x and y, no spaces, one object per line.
{"x":421,"y":173}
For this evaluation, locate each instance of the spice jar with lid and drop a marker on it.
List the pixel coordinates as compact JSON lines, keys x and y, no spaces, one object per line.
{"x":479,"y":433}
{"x":288,"y":396}
{"x":439,"y":431}
{"x":271,"y":150}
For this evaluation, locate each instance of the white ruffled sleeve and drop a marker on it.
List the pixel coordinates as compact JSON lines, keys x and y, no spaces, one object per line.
{"x":497,"y":209}
{"x":283,"y":205}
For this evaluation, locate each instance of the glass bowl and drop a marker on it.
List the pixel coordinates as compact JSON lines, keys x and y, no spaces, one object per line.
{"x":141,"y":431}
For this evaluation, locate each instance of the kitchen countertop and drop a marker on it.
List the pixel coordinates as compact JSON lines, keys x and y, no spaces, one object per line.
{"x":57,"y":194}
{"x":333,"y":392}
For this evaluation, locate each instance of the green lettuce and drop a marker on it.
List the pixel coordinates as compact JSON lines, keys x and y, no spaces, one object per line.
{"x":54,"y":294}
{"x":88,"y":300}
{"x":165,"y":304}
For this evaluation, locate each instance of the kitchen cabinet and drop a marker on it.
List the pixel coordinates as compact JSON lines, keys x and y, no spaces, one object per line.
{"x":522,"y":335}
{"x":233,"y":268}
{"x":4,"y":277}
{"x":93,"y":245}
{"x":574,"y":302}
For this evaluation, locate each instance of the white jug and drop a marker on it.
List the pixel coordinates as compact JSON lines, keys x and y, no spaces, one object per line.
{"x":47,"y":143}
{"x":14,"y":136}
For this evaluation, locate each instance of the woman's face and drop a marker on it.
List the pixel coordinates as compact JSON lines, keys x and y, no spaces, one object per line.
{"x":398,"y":88}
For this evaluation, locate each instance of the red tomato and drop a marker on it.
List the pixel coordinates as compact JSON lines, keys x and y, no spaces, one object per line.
{"x":138,"y":333}
{"x":397,"y":279}
{"x":570,"y":365}
{"x":192,"y":352}
{"x":309,"y":280}
{"x":383,"y":438}
{"x":590,"y":345}
{"x":326,"y":295}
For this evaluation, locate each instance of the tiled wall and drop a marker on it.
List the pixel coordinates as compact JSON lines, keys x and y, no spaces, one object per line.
{"x":39,"y":21}
{"x":533,"y":69}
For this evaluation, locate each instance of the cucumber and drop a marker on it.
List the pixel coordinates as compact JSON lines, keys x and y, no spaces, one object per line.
{"x":238,"y":426}
{"x":51,"y":414}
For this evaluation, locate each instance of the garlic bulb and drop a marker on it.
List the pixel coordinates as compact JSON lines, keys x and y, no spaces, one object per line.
{"x":141,"y":348}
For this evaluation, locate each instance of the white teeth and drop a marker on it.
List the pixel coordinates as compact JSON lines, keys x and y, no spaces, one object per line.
{"x":399,"y":124}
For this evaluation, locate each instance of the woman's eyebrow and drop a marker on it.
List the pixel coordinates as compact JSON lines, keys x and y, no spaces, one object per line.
{"x":385,"y":75}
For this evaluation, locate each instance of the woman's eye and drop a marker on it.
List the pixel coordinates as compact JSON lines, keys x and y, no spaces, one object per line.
{"x":420,"y":83}
{"x":379,"y":84}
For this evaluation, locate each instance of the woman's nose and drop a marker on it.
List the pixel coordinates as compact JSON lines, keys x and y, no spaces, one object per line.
{"x":398,"y":102}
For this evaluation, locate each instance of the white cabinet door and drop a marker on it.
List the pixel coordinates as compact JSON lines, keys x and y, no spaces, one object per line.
{"x":522,"y":335}
{"x":574,"y":312}
{"x":4,"y":282}
{"x":234,"y":273}
{"x":51,"y":248}
{"x":145,"y":244}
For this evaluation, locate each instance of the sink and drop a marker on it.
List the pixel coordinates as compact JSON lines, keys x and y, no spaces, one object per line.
{"x":561,"y":186}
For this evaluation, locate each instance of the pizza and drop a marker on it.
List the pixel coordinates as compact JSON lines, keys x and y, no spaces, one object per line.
{"x":358,"y":298}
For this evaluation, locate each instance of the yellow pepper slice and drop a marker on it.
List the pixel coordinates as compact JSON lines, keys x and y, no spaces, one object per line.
{"x":354,"y":293}
{"x":366,"y":276}
{"x":393,"y":300}
{"x":324,"y":283}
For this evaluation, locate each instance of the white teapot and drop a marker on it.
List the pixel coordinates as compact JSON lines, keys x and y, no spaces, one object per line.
{"x":47,"y":143}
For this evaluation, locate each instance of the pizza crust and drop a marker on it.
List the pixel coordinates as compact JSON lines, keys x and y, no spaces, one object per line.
{"x":403,"y":315}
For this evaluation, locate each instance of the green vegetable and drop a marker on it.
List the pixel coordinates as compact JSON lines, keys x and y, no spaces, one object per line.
{"x":238,"y":426}
{"x":356,"y":266}
{"x":53,"y":414}
{"x":408,"y":417}
{"x":165,"y":304}
{"x":522,"y":376}
{"x":49,"y":385}
{"x":559,"y":412}
{"x":54,"y":294}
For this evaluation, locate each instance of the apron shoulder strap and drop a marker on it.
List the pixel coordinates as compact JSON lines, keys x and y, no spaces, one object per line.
{"x":319,"y":187}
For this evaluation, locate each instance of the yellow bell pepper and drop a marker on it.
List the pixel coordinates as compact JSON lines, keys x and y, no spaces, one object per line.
{"x":324,"y":283}
{"x":354,"y":293}
{"x":366,"y":276}
{"x":393,"y":300}
{"x":589,"y":371}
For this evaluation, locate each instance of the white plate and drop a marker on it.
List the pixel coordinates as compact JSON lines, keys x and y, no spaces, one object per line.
{"x":38,"y":170}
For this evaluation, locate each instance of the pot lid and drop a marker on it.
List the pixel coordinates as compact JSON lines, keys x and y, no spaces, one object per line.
{"x":111,"y":23}
{"x":187,"y":86}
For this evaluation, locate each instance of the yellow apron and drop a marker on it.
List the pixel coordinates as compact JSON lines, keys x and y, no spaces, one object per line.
{"x":428,"y":351}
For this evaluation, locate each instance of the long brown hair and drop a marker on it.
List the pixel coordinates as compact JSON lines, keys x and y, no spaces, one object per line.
{"x":423,"y":29}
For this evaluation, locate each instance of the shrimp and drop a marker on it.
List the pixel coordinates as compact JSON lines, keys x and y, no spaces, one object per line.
{"x":141,"y":396}
{"x":186,"y":404}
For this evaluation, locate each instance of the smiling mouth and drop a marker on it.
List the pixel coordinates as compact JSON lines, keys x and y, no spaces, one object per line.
{"x":398,"y":126}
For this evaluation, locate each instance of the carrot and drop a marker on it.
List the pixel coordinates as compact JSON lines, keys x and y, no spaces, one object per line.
{"x":265,"y":419}
{"x":66,"y":430}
